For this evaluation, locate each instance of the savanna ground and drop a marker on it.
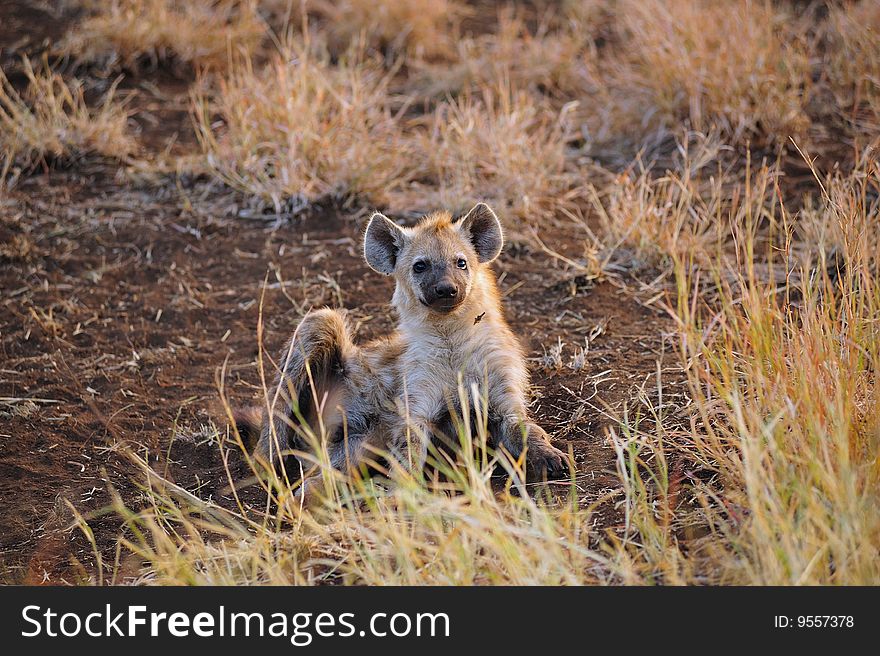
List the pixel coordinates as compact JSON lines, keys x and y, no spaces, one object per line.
{"x":690,"y":190}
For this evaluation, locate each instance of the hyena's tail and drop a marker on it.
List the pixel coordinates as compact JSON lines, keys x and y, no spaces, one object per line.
{"x":249,"y":424}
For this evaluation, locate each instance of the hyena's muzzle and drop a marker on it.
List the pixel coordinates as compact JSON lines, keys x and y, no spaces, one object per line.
{"x":442,"y":287}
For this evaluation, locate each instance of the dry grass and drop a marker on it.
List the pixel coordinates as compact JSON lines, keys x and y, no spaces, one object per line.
{"x":785,"y":381}
{"x":686,"y":211}
{"x":504,"y":147}
{"x":854,"y":62}
{"x":303,"y":128}
{"x":419,"y":28}
{"x":365,"y":535}
{"x":50,"y":119}
{"x":740,"y":66}
{"x":545,"y":60}
{"x":127,"y":33}
{"x":306,"y":130}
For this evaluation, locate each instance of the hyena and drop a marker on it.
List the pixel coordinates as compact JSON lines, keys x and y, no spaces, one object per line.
{"x":395,"y":394}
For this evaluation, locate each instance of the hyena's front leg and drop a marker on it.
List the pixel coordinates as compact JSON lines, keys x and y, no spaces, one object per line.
{"x":518,"y":432}
{"x":409,"y":443}
{"x":417,"y":410}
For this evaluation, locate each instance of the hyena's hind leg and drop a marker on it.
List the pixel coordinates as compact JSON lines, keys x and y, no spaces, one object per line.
{"x":309,"y":389}
{"x":354,"y":455}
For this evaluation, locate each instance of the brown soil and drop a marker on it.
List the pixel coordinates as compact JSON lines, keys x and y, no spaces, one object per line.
{"x":123,"y":300}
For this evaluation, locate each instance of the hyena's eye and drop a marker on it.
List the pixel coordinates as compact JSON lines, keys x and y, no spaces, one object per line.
{"x":462,"y":263}
{"x":419,"y":266}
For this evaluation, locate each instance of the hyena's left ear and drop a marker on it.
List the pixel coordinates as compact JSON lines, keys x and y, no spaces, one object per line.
{"x":484,"y":230}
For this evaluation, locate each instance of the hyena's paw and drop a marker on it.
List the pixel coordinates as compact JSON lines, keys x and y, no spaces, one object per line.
{"x":544,"y":460}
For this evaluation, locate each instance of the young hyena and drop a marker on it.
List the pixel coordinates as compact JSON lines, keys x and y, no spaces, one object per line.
{"x":395,"y":394}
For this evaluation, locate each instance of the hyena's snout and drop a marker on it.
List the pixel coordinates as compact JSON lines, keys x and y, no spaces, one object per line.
{"x":446,"y":290}
{"x":443,"y":293}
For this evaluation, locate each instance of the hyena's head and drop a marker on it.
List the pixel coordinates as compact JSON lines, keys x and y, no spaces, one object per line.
{"x":437,"y":262}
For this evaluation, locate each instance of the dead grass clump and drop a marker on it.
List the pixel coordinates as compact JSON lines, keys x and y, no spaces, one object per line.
{"x":128,"y":32}
{"x":686,"y":211}
{"x":418,"y":28}
{"x":768,"y":475}
{"x":306,"y":129}
{"x":854,"y":61}
{"x":545,"y":61}
{"x":365,"y":536}
{"x":740,"y":66}
{"x":786,"y":385}
{"x":505,"y":147}
{"x":50,"y":119}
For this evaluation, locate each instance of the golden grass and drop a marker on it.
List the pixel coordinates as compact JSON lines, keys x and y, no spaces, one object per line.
{"x":854,"y":61}
{"x":776,"y":319}
{"x":504,"y":147}
{"x":786,"y":384}
{"x":303,"y":128}
{"x":411,"y":536}
{"x":741,"y":66}
{"x":127,"y":33}
{"x":50,"y":119}
{"x":688,"y":210}
{"x":546,"y":60}
{"x":419,"y":28}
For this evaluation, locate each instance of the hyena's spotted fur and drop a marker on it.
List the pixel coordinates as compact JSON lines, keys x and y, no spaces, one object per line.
{"x":394,"y":394}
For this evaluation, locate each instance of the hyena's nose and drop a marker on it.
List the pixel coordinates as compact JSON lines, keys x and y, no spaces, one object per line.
{"x":445,"y":290}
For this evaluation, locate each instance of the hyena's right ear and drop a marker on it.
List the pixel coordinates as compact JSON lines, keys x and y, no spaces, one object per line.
{"x":382,"y":243}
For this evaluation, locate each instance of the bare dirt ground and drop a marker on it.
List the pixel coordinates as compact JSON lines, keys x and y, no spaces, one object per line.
{"x":123,"y":297}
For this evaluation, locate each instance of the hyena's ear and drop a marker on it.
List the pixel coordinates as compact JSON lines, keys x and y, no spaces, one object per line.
{"x":382,"y":243}
{"x":484,"y":230}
